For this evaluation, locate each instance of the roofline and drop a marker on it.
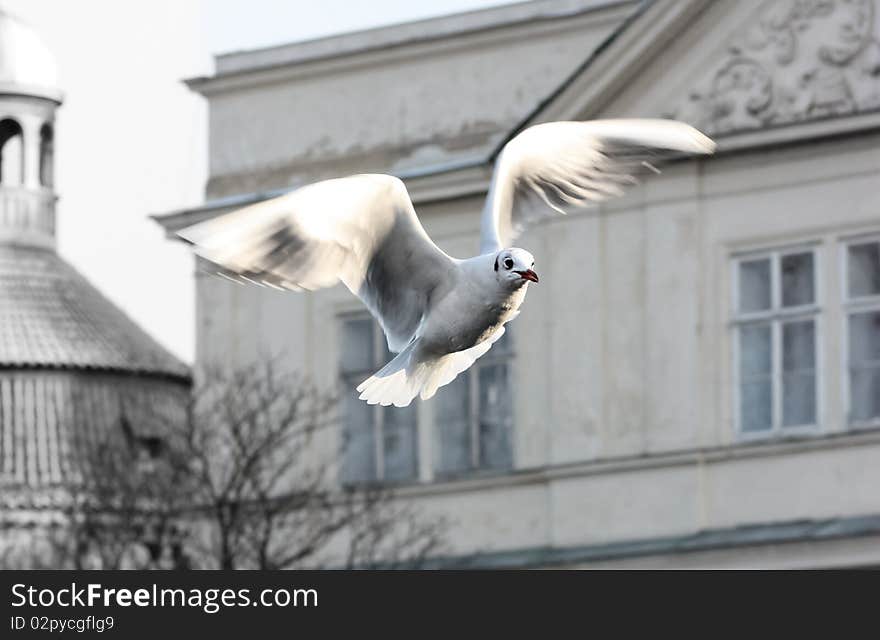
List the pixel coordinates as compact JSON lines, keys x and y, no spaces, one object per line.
{"x":401,"y":34}
{"x":167,"y":376}
{"x":32,"y":91}
{"x":252,"y":197}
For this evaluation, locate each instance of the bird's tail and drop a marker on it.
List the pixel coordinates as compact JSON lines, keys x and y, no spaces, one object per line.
{"x":406,"y":376}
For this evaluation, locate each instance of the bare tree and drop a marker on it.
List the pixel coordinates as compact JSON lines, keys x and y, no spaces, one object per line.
{"x":266,"y":480}
{"x":249,"y":480}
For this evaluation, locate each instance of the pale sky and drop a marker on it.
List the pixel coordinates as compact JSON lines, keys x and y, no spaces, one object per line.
{"x":131,"y":138}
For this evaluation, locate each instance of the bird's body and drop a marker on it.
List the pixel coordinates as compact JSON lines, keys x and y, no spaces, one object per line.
{"x":439,"y":313}
{"x":491,"y":306}
{"x":466,"y":318}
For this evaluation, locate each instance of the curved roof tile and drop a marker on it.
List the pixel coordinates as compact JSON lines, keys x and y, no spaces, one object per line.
{"x":51,"y":316}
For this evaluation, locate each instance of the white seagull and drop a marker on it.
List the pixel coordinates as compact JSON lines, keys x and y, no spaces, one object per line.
{"x":439,"y":313}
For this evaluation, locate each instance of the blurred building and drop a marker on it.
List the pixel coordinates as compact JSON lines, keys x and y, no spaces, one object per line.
{"x":696,"y":379}
{"x":73,"y":367}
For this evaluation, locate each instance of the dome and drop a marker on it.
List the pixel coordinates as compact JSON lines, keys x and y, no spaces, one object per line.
{"x":25,"y":60}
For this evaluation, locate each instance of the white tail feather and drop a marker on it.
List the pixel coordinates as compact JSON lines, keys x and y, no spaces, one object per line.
{"x":401,"y":380}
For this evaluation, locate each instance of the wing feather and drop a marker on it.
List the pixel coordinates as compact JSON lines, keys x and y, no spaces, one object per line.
{"x":560,"y":166}
{"x":360,"y":230}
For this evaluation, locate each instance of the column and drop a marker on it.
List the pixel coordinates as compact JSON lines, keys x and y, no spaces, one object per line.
{"x":30,"y":125}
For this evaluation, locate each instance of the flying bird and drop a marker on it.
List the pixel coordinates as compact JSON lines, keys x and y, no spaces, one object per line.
{"x":439,"y":313}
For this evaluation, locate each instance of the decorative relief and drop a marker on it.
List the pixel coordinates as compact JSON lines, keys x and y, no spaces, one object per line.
{"x":799,"y":60}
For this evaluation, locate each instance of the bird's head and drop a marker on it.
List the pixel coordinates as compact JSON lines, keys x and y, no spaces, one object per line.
{"x":515,"y":267}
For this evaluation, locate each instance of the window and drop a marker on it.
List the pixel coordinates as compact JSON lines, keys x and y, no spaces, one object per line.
{"x":474,"y":416}
{"x":47,"y":152}
{"x":862,"y":306}
{"x":775,"y":323}
{"x":380,"y":443}
{"x":11,"y":153}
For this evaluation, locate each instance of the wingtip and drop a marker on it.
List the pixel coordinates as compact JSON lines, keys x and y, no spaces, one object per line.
{"x":690,"y":139}
{"x":706,"y":144}
{"x":702,"y":143}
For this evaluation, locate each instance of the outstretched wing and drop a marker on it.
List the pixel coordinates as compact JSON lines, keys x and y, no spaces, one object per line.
{"x":559,"y":166}
{"x":361,"y":230}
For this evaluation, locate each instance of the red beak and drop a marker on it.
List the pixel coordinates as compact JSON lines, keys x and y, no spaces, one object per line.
{"x":528,"y":274}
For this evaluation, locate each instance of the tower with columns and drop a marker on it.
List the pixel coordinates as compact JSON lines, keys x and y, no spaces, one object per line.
{"x":74,"y":369}
{"x":28,"y":101}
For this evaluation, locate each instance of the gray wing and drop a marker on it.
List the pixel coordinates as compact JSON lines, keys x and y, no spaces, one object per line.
{"x":361,"y":230}
{"x":559,"y":166}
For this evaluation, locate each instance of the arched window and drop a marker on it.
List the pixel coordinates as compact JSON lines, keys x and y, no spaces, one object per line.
{"x":47,"y":152}
{"x":11,"y":153}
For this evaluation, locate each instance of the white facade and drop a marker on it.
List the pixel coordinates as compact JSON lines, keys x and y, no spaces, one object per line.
{"x":647,"y":428}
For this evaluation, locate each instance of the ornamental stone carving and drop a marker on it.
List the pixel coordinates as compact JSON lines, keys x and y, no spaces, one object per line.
{"x":797,"y":60}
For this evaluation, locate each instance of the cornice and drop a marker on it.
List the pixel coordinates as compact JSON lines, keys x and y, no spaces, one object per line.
{"x":721,"y":454}
{"x":389,"y":52}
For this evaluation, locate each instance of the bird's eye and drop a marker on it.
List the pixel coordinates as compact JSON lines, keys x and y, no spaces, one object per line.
{"x":508,"y":263}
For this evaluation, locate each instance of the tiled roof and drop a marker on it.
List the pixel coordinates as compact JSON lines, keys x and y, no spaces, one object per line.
{"x":51,"y":316}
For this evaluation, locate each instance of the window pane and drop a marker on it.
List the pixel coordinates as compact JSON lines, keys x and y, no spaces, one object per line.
{"x":756,"y":405}
{"x":864,"y":269}
{"x":798,"y":346}
{"x":452,"y":434}
{"x":496,"y":417}
{"x":798,"y":399}
{"x":864,"y":338}
{"x":754,"y":285}
{"x":864,"y":394}
{"x":798,"y":377}
{"x":359,"y":453}
{"x":864,"y":364}
{"x":755,"y":350}
{"x":797,"y":279}
{"x":356,"y":345}
{"x":399,"y":440}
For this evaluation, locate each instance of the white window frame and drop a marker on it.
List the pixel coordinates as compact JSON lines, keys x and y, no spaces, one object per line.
{"x":379,"y":411}
{"x":492,"y":357}
{"x":776,"y":316}
{"x":851,"y":306}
